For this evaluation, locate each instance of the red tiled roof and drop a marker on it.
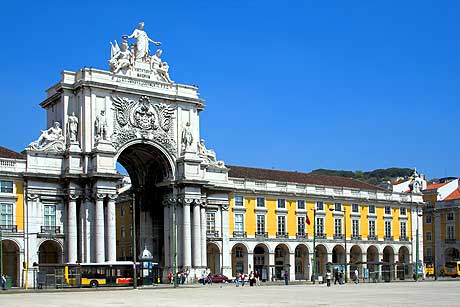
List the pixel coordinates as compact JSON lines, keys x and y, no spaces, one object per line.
{"x":435,"y":185}
{"x":454,"y":195}
{"x":10,"y":154}
{"x":296,"y":177}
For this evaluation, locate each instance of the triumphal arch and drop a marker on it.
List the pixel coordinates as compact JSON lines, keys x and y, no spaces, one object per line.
{"x":133,"y":114}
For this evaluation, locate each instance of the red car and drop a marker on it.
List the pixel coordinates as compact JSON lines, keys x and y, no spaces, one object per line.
{"x":215,"y":278}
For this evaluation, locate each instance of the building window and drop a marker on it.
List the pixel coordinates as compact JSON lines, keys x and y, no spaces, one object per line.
{"x":301,"y":225}
{"x":450,"y":216}
{"x":239,"y":252}
{"x":355,"y":208}
{"x":387,"y":210}
{"x":428,"y":236}
{"x":371,"y":209}
{"x":122,"y":232}
{"x":355,"y":228}
{"x":388,"y":229}
{"x":429,"y":253}
{"x":450,"y":232}
{"x":301,"y":204}
{"x":50,"y":215}
{"x":6,"y":186}
{"x":281,"y":224}
{"x":403,"y":211}
{"x":320,"y":226}
{"x":372,"y":228}
{"x":338,"y":227}
{"x":210,"y":222}
{"x":261,"y":202}
{"x":338,"y":207}
{"x":281,"y":203}
{"x":428,"y":219}
{"x":403,"y":228}
{"x":239,"y":201}
{"x":122,"y":211}
{"x":260,"y":224}
{"x":239,"y":223}
{"x":319,"y":205}
{"x":6,"y":214}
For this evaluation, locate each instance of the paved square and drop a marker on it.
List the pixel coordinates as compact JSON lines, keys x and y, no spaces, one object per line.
{"x":442,"y":293}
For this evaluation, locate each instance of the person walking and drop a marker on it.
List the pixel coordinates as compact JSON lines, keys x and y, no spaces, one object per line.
{"x":356,"y":276}
{"x":237,"y":279}
{"x":328,"y":278}
{"x":243,"y":279}
{"x":286,"y":277}
{"x":336,"y":276}
{"x":3,"y":281}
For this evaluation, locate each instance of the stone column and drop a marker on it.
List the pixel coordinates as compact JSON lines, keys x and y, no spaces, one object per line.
{"x":99,"y":229}
{"x":292,"y":266}
{"x":226,"y":252}
{"x":111,"y":229}
{"x":187,"y":244}
{"x":204,"y":262}
{"x":167,"y":234}
{"x":250,"y":262}
{"x":88,"y":232}
{"x":271,"y":268}
{"x":72,"y":229}
{"x":180,"y":232}
{"x":196,"y":233}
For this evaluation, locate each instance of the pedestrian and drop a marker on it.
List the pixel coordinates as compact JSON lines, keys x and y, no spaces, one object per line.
{"x":251,"y":279}
{"x":3,"y":281}
{"x":356,"y":276}
{"x":336,"y":276}
{"x":286,"y":277}
{"x":170,"y":277}
{"x":328,"y":278}
{"x":243,"y":279}
{"x":210,"y":278}
{"x":257,"y":277}
{"x":237,"y":279}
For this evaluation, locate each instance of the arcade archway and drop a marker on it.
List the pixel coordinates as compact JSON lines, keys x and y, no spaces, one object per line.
{"x":281,"y":260}
{"x":302,"y":264}
{"x":213,"y":258}
{"x":239,"y":259}
{"x":49,"y":252}
{"x":260,"y":255}
{"x":10,"y":257}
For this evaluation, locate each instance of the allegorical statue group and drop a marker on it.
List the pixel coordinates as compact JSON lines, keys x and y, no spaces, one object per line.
{"x":124,"y":57}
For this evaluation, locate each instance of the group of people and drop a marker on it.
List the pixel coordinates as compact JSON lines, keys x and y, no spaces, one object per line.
{"x":253,"y":278}
{"x":181,"y":277}
{"x":338,"y":277}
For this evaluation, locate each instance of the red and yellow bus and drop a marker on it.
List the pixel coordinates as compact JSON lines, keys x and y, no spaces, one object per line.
{"x":93,"y":275}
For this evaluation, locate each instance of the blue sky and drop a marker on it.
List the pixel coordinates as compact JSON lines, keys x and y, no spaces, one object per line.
{"x":354,"y":85}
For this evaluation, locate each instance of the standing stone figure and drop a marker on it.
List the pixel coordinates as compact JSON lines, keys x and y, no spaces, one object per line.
{"x":73,"y":128}
{"x":187,"y":137}
{"x":100,"y":127}
{"x":142,"y":42}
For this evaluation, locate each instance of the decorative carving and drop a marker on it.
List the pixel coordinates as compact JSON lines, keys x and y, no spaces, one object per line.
{"x":187,"y":138}
{"x":73,"y":196}
{"x":143,"y":119}
{"x":50,"y":140}
{"x":100,"y":127}
{"x":209,"y":155}
{"x":416,"y":184}
{"x":73,"y":128}
{"x":136,"y":59}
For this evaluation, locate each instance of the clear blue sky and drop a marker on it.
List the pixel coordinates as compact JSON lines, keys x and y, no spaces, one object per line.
{"x":353,"y":85}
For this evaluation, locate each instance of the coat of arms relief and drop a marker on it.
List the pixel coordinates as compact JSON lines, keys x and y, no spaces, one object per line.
{"x":143,"y":119}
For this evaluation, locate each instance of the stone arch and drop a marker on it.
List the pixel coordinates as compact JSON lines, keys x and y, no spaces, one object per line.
{"x":11,"y":258}
{"x":451,"y":254}
{"x":373,"y":261}
{"x":261,"y":260}
{"x":213,"y":257}
{"x":321,"y":259}
{"x":302,"y":262}
{"x":356,"y":258}
{"x":50,"y":252}
{"x":338,"y":255}
{"x":388,"y":266}
{"x":239,"y":258}
{"x":281,"y":260}
{"x":403,"y":268}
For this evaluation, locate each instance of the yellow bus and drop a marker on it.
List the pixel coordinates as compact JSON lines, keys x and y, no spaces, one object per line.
{"x":452,"y":268}
{"x":93,"y":275}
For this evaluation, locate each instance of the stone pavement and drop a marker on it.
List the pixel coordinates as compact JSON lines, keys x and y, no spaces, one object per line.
{"x":441,"y":293}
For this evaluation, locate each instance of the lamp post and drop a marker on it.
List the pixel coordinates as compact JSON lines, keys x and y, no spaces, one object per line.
{"x":417,"y":246}
{"x":314,"y":244}
{"x":344,"y":239}
{"x":174,"y":242}
{"x":134,"y":241}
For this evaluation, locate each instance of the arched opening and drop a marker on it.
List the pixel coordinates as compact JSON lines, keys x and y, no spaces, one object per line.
{"x":403,"y":265}
{"x":261,"y":261}
{"x":321,"y":259}
{"x":10,"y":257}
{"x":356,"y":258}
{"x":451,"y":254}
{"x":302,"y":263}
{"x":239,"y":259}
{"x":388,"y":263}
{"x":338,"y":255}
{"x":213,"y":258}
{"x":281,"y":260}
{"x":49,"y":252}
{"x":373,"y":262}
{"x":149,"y":171}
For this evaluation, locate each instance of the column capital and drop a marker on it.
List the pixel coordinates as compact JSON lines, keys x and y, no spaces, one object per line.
{"x":99,"y":196}
{"x":73,"y":196}
{"x":112,"y":196}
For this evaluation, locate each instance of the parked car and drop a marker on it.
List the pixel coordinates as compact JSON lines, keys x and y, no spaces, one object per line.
{"x":215,"y":278}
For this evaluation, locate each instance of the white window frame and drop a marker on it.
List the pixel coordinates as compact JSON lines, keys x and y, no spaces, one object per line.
{"x":281,"y":203}
{"x":257,"y":223}
{"x":6,"y":210}
{"x":301,"y":201}
{"x":262,"y":200}
{"x":238,"y":204}
{"x":353,"y":206}
{"x":369,"y":209}
{"x":372,"y":231}
{"x":278,"y":219}
{"x":355,"y":227}
{"x":236,"y":222}
{"x":319,"y":206}
{"x":299,"y":217}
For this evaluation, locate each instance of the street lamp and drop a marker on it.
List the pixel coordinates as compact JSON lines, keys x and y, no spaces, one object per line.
{"x":417,"y":245}
{"x":344,"y":239}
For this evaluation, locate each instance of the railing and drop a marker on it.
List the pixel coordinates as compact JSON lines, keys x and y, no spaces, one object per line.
{"x":301,"y":235}
{"x":403,"y":238}
{"x":320,"y":236}
{"x":388,"y":238}
{"x":338,"y":237}
{"x":9,"y":228}
{"x":239,"y":234}
{"x":260,"y":234}
{"x":372,"y":238}
{"x":281,"y":235}
{"x":450,"y":241}
{"x":50,"y":229}
{"x":356,"y":237}
{"x":212,"y":234}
